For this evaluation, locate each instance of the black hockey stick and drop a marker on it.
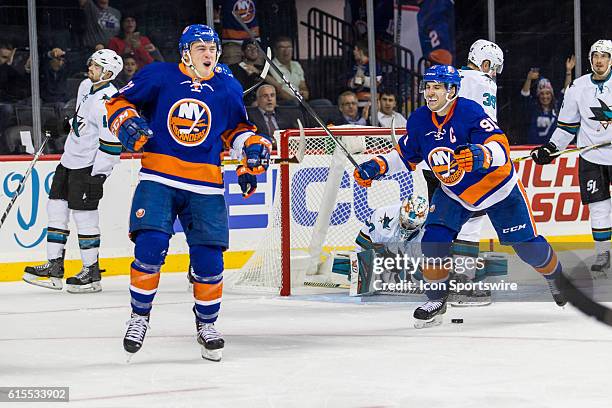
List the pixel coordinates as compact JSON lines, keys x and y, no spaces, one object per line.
{"x":262,"y":75}
{"x":297,"y":94}
{"x":574,"y":149}
{"x":25,"y":178}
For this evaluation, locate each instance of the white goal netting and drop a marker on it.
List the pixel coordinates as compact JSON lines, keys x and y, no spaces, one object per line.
{"x":319,"y":208}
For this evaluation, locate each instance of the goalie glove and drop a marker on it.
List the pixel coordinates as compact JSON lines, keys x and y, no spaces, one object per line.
{"x":473,"y":157}
{"x":370,"y":170}
{"x":256,"y":153}
{"x":542,"y":154}
{"x":247,"y":181}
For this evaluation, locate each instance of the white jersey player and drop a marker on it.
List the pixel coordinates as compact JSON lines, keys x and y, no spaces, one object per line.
{"x":90,"y":153}
{"x":586,"y":112}
{"x":485,"y":61}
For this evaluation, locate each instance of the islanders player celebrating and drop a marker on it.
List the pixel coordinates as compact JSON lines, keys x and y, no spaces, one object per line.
{"x":470,"y":156}
{"x":182,"y":116}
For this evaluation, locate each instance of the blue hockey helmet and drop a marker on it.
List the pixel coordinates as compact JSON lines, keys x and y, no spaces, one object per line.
{"x":198,"y":32}
{"x":443,"y":74}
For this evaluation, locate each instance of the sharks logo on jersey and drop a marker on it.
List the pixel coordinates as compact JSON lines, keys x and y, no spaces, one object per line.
{"x":442,"y":162}
{"x":189,"y":121}
{"x":602,"y":114}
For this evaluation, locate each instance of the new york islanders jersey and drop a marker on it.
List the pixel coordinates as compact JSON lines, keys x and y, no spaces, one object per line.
{"x":191,"y":120}
{"x":434,"y":139}
{"x":90,"y":142}
{"x":587,"y":112}
{"x":480,"y":88}
{"x":383,"y":227}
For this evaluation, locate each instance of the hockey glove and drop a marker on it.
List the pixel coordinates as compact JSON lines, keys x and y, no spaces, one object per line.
{"x":134,"y":133}
{"x":370,"y":170}
{"x":542,"y":154}
{"x":473,"y":157}
{"x":247,"y":181}
{"x":95,"y":191}
{"x":256,"y":154}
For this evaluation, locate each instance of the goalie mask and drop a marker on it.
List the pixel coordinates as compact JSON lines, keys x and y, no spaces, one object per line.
{"x":604,"y":47}
{"x":483,"y":50}
{"x":413,"y":212}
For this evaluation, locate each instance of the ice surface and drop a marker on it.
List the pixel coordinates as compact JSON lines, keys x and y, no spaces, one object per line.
{"x":310,"y":350}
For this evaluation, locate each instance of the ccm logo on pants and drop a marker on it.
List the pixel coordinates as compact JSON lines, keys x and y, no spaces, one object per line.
{"x":514,"y":228}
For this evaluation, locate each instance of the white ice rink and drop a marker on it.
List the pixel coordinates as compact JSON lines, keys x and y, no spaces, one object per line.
{"x":304,"y":351}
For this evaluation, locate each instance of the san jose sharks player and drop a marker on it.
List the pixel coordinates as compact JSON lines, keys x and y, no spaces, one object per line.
{"x":90,"y":153}
{"x":470,"y":155}
{"x":182,"y":116}
{"x":586,"y":112}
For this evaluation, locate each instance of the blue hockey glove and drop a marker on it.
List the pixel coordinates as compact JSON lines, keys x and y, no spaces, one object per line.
{"x":256,"y":154}
{"x":371,"y":170}
{"x":134,"y":133}
{"x":247,"y":181}
{"x":473,"y":157}
{"x":542,"y":154}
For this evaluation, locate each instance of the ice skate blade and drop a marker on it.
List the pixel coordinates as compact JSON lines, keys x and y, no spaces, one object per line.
{"x":50,"y":283}
{"x":212,"y":355}
{"x":128,"y":357}
{"x":468,"y":303}
{"x":90,"y":288}
{"x":424,"y":324}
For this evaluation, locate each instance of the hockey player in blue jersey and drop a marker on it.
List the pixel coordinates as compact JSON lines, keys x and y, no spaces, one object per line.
{"x":182,"y":116}
{"x":470,"y":155}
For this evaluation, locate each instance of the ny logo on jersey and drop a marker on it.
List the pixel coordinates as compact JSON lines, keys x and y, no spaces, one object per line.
{"x":602,"y":114}
{"x":442,"y":162}
{"x":189,"y":121}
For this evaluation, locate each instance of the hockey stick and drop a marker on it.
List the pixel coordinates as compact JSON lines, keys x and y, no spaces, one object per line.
{"x":297,"y":95}
{"x":393,"y":139}
{"x":25,"y":178}
{"x":262,"y":76}
{"x":297,"y":158}
{"x":574,"y":149}
{"x":327,"y":285}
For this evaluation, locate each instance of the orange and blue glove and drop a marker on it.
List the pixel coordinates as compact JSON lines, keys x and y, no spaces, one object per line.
{"x":473,"y":157}
{"x":256,"y":154}
{"x":246,"y":181}
{"x":370,"y":170}
{"x":133,"y":133}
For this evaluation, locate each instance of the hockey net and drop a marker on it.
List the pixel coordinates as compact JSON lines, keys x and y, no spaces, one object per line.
{"x":319,"y":208}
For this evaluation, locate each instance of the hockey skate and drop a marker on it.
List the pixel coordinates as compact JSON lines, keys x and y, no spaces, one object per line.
{"x":553,"y":285}
{"x":52,"y":271}
{"x":87,"y":281}
{"x":469,"y":297}
{"x":135,"y":334}
{"x":430,"y":314}
{"x":210,"y":341}
{"x":601,"y":266}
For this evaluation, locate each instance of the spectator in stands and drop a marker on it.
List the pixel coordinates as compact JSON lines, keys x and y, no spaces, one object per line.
{"x":130,"y":41}
{"x":14,"y":83}
{"x":54,"y":78}
{"x":232,"y":34}
{"x":130,"y":66}
{"x":292,"y":70}
{"x":348,"y":105}
{"x":387,"y":102}
{"x":247,"y":71}
{"x":267,"y":117}
{"x":360,"y":79}
{"x":101,"y":22}
{"x":543,"y":108}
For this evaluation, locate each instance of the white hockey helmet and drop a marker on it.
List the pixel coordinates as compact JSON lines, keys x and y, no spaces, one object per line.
{"x":413,"y":212}
{"x":603,"y":46}
{"x":483,"y":50}
{"x":109,"y":61}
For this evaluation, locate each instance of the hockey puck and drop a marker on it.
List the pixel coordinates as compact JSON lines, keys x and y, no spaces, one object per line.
{"x":457,"y":321}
